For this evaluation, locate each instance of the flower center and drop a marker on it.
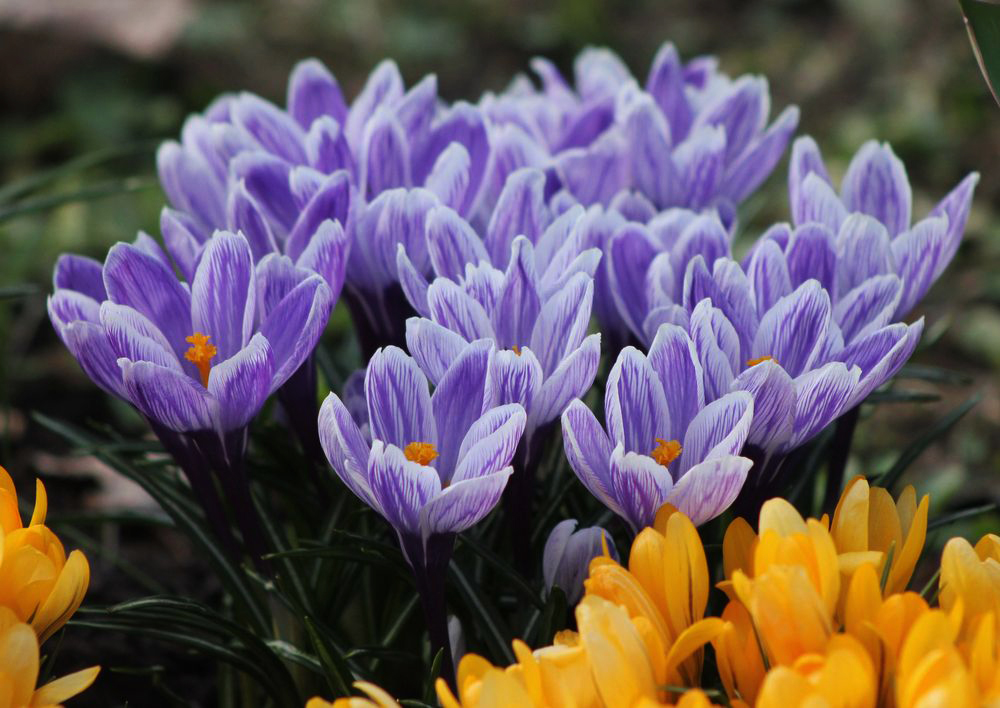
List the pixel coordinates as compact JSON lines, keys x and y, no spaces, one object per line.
{"x":420,"y":452}
{"x":761,"y":360}
{"x":200,"y":354}
{"x":666,"y":451}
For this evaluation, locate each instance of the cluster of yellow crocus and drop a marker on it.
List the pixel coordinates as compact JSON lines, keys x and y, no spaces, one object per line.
{"x":818,"y":615}
{"x":40,"y":589}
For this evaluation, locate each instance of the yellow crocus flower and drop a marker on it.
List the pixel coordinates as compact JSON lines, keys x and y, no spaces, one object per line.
{"x":842,"y":675}
{"x":37,"y":581}
{"x":737,"y":653}
{"x":19,"y":665}
{"x":867,"y":521}
{"x":931,"y":670}
{"x":971,"y":575}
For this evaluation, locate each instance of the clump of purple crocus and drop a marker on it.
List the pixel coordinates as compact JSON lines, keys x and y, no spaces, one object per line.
{"x":567,"y":555}
{"x":197,"y":359}
{"x":431,"y":465}
{"x":665,"y":439}
{"x":690,"y":136}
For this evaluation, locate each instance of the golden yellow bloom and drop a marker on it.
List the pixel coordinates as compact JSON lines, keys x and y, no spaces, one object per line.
{"x":19,"y":669}
{"x":376,"y":698}
{"x":840,"y":676}
{"x":37,"y":581}
{"x":931,"y":670}
{"x":665,"y":591}
{"x":867,"y":520}
{"x":971,"y":575}
{"x":737,"y":653}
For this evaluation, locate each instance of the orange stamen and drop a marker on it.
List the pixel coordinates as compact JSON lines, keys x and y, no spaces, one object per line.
{"x":516,"y":349}
{"x":420,"y":452}
{"x":666,"y":451}
{"x":761,"y":360}
{"x":200,"y":354}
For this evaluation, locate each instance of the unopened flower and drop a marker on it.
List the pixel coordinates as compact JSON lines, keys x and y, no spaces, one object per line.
{"x":567,"y":555}
{"x":375,"y":697}
{"x":663,"y":443}
{"x":19,"y":669}
{"x":38,"y":582}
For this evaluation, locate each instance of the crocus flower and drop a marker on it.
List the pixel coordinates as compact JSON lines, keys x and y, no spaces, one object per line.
{"x":319,"y":159}
{"x":866,"y":233}
{"x":690,"y":137}
{"x":788,"y":350}
{"x":567,"y":555}
{"x":38,"y":582}
{"x":197,"y":360}
{"x":375,"y":697}
{"x":20,"y":666}
{"x":431,"y":465}
{"x":663,"y":443}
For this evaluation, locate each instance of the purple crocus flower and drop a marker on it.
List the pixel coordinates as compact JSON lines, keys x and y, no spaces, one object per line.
{"x":277,"y":173}
{"x":690,"y":137}
{"x":855,"y":241}
{"x":567,"y":555}
{"x":431,"y":465}
{"x":662,"y":442}
{"x":197,"y":360}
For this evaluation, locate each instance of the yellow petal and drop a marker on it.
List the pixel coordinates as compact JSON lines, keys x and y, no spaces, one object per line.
{"x":65,"y":597}
{"x":850,"y":518}
{"x":989,"y":547}
{"x":905,"y":558}
{"x":445,"y":697}
{"x":621,"y":668}
{"x":41,"y":504}
{"x":778,"y":515}
{"x":64,"y":688}
{"x":738,"y":547}
{"x":690,"y":641}
{"x":19,"y":662}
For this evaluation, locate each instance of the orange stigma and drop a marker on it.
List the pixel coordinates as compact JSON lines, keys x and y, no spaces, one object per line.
{"x":516,"y":349}
{"x":761,"y":360}
{"x":420,"y":452}
{"x":200,"y":354}
{"x":666,"y":451}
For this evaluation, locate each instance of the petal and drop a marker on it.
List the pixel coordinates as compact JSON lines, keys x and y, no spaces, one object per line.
{"x":868,"y":307}
{"x":168,"y":397}
{"x":327,"y":148}
{"x":458,"y":401}
{"x":650,"y":163}
{"x":384,"y":87}
{"x":327,"y":255}
{"x":562,"y":322}
{"x":863,"y":251}
{"x":795,"y":329}
{"x":133,"y":336}
{"x":224,"y":293}
{"x":454,"y":309}
{"x":399,"y":405}
{"x":876,"y":184}
{"x":145,"y":284}
{"x":719,"y":429}
{"x":811,"y":254}
{"x":190,"y":184}
{"x":704,"y":236}
{"x":463,"y":504}
{"x":758,"y":161}
{"x":345,"y":447}
{"x":449,"y":178}
{"x":768,"y":274}
{"x":572,"y":379}
{"x":700,"y":161}
{"x":245,"y":217}
{"x":918,"y":254}
{"x":596,"y":173}
{"x":314,"y":92}
{"x":80,"y":274}
{"x":385,"y":155}
{"x":666,"y":84}
{"x":955,"y":206}
{"x":271,"y":127}
{"x":432,"y":346}
{"x":629,"y":255}
{"x":518,"y":304}
{"x":267,"y":180}
{"x":276,"y":277}
{"x":417,"y":108}
{"x":413,"y":283}
{"x":242,"y":383}
{"x":489,"y":445}
{"x":741,"y":112}
{"x":718,"y":347}
{"x":806,"y":159}
{"x":640,"y":486}
{"x":65,"y":687}
{"x":452,"y":243}
{"x":708,"y":489}
{"x":555,"y":549}
{"x":773,"y":394}
{"x":67,"y":306}
{"x":400,"y":488}
{"x":294,"y":326}
{"x":332,"y":200}
{"x":816,"y":201}
{"x":634,"y":403}
{"x":463,"y":124}
{"x":520,"y":211}
{"x":822,"y":395}
{"x":89,"y":345}
{"x":675,"y":361}
{"x":881,"y":354}
{"x":512,"y":378}
{"x":588,"y":450}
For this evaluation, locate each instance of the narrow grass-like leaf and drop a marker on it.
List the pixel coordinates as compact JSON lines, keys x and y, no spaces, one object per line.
{"x":506,"y":570}
{"x":338,"y":675}
{"x":982,"y":20}
{"x":913,"y":451}
{"x":934,"y":374}
{"x":86,"y":194}
{"x":961,"y":514}
{"x":902,"y":397}
{"x":487,"y":618}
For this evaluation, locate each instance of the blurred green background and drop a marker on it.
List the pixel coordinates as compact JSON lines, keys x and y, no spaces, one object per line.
{"x":103,"y":81}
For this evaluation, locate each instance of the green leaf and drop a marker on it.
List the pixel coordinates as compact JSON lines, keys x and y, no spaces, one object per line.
{"x":86,"y":194}
{"x":294,"y":654}
{"x":335,"y":669}
{"x":488,"y":619}
{"x":506,"y":570}
{"x":913,"y":451}
{"x":897,"y":396}
{"x":959,"y":515}
{"x":982,"y":20}
{"x":934,"y":374}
